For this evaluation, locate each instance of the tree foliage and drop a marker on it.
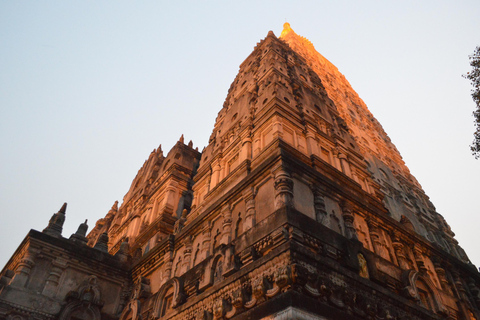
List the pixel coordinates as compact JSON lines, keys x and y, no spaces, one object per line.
{"x":474,"y":77}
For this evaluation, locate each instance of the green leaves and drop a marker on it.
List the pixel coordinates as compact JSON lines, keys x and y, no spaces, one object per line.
{"x":474,"y":77}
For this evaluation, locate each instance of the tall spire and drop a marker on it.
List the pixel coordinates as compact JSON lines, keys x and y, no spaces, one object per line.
{"x":55,"y":225}
{"x":102,"y":242}
{"x":80,"y":235}
{"x":359,"y":120}
{"x":286,"y":29}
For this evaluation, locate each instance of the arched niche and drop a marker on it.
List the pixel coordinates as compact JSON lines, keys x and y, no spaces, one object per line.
{"x":421,"y":288}
{"x":132,"y":311}
{"x":218,"y":268}
{"x":84,"y":303}
{"x":80,"y":310}
{"x":169,"y":296}
{"x":212,"y":271}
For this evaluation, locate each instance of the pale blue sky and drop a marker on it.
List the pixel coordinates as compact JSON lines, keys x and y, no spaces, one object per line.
{"x":89,"y":88}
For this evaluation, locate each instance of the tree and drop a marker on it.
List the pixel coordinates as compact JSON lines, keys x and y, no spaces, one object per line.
{"x":474,"y":77}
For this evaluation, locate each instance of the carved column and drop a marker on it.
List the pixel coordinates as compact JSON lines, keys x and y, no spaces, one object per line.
{"x":223,"y":170}
{"x":168,"y":258}
{"x":348,"y":218}
{"x":246,"y":151}
{"x":277,"y":128}
{"x":336,"y":160}
{"x":207,"y":234}
{"x":187,"y":254}
{"x":320,"y":208}
{"x":250,"y":212}
{"x":227,"y":225}
{"x":283,"y":189}
{"x":344,"y":164}
{"x":257,"y":145}
{"x":169,"y":203}
{"x":215,"y":173}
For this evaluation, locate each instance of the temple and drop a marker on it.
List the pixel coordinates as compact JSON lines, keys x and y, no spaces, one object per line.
{"x":299,"y":207}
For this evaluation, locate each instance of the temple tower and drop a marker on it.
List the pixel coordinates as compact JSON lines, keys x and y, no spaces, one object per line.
{"x":299,"y":207}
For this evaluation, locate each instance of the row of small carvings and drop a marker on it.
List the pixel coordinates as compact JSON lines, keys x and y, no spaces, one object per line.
{"x":275,"y":277}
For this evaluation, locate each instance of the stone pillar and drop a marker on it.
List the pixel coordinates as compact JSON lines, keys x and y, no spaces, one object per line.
{"x":336,"y":161}
{"x":246,"y":151}
{"x":22,"y":272}
{"x":257,"y":144}
{"x":187,"y":254}
{"x":227,"y":225}
{"x":223,"y":169}
{"x":215,"y":179}
{"x":250,"y":212}
{"x":319,"y":206}
{"x":283,"y":189}
{"x":348,"y":218}
{"x":207,"y":235}
{"x":169,"y":203}
{"x":344,"y":164}
{"x":277,"y":128}
{"x":168,"y":258}
{"x":167,"y":274}
{"x":312,"y":146}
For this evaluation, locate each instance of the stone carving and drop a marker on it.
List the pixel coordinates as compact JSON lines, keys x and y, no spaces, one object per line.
{"x":237,"y":301}
{"x":258,"y":292}
{"x":180,"y":222}
{"x":363,"y":272}
{"x":409,"y":277}
{"x":219,"y":309}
